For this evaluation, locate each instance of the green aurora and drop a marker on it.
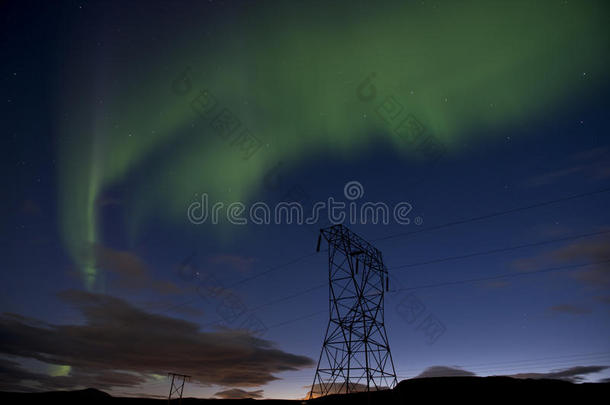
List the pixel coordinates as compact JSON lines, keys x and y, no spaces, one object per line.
{"x":290,"y":73}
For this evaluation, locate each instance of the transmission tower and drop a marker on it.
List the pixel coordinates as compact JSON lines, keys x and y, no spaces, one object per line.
{"x":355,"y":354}
{"x":177,"y":386}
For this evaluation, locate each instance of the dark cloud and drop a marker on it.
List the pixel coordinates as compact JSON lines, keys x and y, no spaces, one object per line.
{"x":145,"y":395}
{"x":573,"y":374}
{"x":590,"y":165}
{"x":236,"y":393}
{"x":556,"y":175}
{"x":170,"y":306}
{"x":129,"y":270}
{"x":445,"y":371}
{"x":594,"y":250}
{"x":591,"y":154}
{"x":117,"y":336}
{"x":605,"y":299}
{"x":13,"y":376}
{"x":570,"y":309}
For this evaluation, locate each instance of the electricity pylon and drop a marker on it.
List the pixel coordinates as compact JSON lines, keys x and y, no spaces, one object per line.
{"x":355,"y":354}
{"x":177,"y":387}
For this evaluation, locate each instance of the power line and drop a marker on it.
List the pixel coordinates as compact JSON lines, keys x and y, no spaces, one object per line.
{"x":297,"y":319}
{"x":528,"y":367}
{"x":543,"y":368}
{"x":433,"y":228}
{"x":506,"y":275}
{"x":449,"y":224}
{"x":540,"y":360}
{"x":558,"y":362}
{"x":288,"y":297}
{"x":271,"y":270}
{"x":446,"y":225}
{"x":499,"y":250}
{"x":492,"y":215}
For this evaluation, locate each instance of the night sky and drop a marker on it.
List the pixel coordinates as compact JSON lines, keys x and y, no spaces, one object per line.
{"x":487,"y":118}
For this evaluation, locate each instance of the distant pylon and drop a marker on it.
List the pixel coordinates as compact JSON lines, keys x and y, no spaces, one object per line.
{"x":355,"y":354}
{"x":177,"y":387}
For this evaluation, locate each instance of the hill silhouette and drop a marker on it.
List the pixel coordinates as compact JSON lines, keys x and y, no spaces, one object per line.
{"x":462,"y":389}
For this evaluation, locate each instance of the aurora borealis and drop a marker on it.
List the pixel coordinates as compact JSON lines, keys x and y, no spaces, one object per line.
{"x":112,"y":118}
{"x":462,"y":75}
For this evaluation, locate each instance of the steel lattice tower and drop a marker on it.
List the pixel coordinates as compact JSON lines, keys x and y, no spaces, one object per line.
{"x":355,"y":354}
{"x":177,"y":387}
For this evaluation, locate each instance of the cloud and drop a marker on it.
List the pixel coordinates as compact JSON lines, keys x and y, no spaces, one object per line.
{"x":170,"y":306}
{"x":605,"y":299}
{"x":570,"y":309}
{"x":585,"y":251}
{"x":591,"y":154}
{"x":445,"y":371}
{"x":130,"y":271}
{"x":573,"y":374}
{"x":236,"y":393}
{"x":590,"y":164}
{"x":13,"y":376}
{"x":594,"y":251}
{"x":554,"y":176}
{"x":118,"y":337}
{"x":237,"y":262}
